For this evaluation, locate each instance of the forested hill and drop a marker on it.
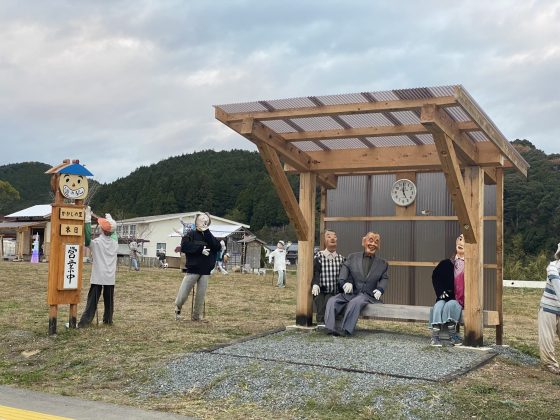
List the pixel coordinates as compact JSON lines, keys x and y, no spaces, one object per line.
{"x":232,"y":184}
{"x":23,"y":185}
{"x":531,"y":206}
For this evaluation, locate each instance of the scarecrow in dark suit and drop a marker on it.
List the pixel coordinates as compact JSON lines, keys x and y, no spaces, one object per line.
{"x":363,"y":278}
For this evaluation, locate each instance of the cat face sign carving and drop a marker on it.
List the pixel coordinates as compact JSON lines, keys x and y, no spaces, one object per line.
{"x":73,"y":186}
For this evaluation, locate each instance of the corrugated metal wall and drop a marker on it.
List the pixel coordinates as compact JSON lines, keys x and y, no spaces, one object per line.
{"x":420,"y":241}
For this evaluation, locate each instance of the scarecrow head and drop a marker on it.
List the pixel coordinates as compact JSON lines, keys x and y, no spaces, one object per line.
{"x":202,"y":221}
{"x":371,"y":243}
{"x":330,"y":240}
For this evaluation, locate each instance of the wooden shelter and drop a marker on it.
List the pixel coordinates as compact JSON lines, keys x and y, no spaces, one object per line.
{"x":401,"y":132}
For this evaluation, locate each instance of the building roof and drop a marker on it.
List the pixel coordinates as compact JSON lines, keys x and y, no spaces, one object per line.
{"x":39,"y":210}
{"x":251,"y":238}
{"x":219,"y":230}
{"x":15,"y":225}
{"x":309,"y":132}
{"x":188,"y":217}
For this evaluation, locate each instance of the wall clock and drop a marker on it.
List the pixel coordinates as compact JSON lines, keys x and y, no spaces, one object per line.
{"x":403,"y":192}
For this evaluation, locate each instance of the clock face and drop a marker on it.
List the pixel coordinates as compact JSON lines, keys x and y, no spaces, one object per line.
{"x":403,"y":192}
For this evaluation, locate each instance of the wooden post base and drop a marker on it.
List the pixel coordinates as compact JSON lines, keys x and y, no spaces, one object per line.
{"x":53,"y":311}
{"x":73,"y":315}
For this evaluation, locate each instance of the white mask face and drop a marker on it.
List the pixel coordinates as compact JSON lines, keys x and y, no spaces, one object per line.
{"x":202,"y":222}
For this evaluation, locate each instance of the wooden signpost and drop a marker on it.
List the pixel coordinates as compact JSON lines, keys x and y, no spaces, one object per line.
{"x":70,"y":187}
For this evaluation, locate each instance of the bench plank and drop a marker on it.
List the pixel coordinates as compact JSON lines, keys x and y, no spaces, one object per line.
{"x":415,"y":313}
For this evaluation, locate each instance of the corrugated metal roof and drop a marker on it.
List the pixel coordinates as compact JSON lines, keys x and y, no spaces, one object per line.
{"x":391,"y":126}
{"x":342,"y":99}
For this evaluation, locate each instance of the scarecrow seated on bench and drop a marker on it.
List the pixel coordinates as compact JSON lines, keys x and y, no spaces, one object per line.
{"x":363,"y":277}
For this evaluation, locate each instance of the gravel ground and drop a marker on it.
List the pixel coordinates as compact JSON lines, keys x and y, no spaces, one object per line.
{"x":292,"y":369}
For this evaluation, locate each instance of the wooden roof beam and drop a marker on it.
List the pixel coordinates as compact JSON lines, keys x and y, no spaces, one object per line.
{"x":258,"y":132}
{"x":327,"y":110}
{"x":389,"y":159}
{"x":455,"y":185}
{"x":284,"y":189}
{"x":467,"y":150}
{"x":381,"y":131}
{"x":486,"y":125}
{"x":432,"y":118}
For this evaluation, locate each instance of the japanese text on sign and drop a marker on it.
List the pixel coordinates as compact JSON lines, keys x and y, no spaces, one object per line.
{"x":70,"y":230}
{"x":71,"y":266}
{"x":72,"y":213}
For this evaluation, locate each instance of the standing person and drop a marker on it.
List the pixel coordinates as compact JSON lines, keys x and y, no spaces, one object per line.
{"x":134,"y":256}
{"x":549,"y":315}
{"x":363,"y":277}
{"x":279,"y":256}
{"x":162,"y":257}
{"x":326,"y":268}
{"x":200,"y":248}
{"x":220,"y":258}
{"x":448,"y":279}
{"x":103,"y":269}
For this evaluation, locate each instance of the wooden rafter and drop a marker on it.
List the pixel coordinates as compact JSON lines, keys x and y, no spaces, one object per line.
{"x":299,"y":160}
{"x":431,"y":116}
{"x":284,"y":189}
{"x":316,"y":111}
{"x":467,"y":150}
{"x":495,"y":136}
{"x":381,"y":131}
{"x":393,"y":159}
{"x":455,"y":185}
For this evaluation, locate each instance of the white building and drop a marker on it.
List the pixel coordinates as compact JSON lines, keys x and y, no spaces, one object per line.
{"x":161,"y":232}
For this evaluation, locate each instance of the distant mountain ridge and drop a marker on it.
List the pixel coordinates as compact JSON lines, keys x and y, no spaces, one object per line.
{"x":234,"y":184}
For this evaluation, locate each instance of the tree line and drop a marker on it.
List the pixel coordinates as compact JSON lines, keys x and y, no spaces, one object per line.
{"x":235,"y":185}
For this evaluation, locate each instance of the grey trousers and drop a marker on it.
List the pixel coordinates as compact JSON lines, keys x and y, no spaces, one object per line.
{"x":185,"y":289}
{"x":320,"y":302}
{"x":281,"y":278}
{"x":352,"y":305}
{"x":549,"y":326}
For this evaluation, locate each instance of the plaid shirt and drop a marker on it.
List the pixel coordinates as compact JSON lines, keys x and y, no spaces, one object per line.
{"x":326,"y":267}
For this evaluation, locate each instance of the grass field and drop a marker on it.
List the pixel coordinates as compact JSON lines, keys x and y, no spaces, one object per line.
{"x":104,"y":362}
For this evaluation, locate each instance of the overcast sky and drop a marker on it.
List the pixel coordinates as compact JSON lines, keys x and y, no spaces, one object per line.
{"x":120,"y":84}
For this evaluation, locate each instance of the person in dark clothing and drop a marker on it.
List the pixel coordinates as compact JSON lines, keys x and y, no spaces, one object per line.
{"x":363,"y":277}
{"x":200,"y":248}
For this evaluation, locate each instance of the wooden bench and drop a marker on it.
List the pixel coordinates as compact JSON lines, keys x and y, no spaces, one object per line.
{"x":414,"y":313}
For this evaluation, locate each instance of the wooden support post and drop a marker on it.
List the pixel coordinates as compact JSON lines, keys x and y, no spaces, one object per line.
{"x":73,"y":316}
{"x":499,"y":253}
{"x":53,"y":312}
{"x":304,"y":308}
{"x":322,"y":214}
{"x":474,"y":272}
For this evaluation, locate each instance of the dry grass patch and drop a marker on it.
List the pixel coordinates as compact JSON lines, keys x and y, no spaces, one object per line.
{"x":111,"y":362}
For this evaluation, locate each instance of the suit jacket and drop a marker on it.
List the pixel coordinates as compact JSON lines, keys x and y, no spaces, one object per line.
{"x":351,"y":271}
